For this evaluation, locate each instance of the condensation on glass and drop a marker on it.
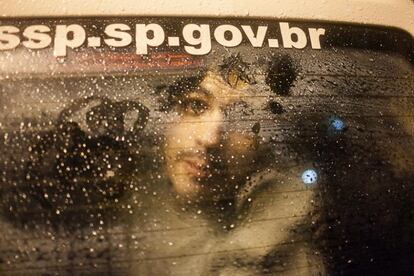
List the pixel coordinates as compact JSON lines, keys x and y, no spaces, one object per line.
{"x":235,"y":160}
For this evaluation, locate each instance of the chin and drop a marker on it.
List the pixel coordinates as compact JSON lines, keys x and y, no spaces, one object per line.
{"x":185,"y":186}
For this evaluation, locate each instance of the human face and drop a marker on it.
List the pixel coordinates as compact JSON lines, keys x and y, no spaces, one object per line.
{"x":205,"y":160}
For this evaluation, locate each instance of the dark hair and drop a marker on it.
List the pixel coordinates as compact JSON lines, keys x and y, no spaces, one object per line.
{"x":232,"y":65}
{"x":170,"y":95}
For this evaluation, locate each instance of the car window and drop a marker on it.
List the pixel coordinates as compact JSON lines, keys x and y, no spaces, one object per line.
{"x":140,"y":146}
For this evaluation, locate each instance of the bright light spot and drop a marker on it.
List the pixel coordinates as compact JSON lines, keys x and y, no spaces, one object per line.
{"x":337,"y":124}
{"x":309,"y":177}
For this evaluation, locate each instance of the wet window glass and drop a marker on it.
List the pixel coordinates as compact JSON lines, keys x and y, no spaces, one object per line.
{"x":204,"y":147}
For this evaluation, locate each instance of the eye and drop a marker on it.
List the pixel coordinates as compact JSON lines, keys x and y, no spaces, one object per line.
{"x":194,"y":107}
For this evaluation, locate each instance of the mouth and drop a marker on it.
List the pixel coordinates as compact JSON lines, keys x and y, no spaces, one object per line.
{"x":195,"y":166}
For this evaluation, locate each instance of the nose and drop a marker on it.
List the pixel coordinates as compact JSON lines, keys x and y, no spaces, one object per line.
{"x":210,"y":129}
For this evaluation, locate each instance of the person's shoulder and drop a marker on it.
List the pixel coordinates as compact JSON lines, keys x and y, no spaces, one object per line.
{"x":275,"y":194}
